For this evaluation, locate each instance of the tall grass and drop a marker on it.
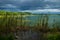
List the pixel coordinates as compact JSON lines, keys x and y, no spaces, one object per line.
{"x":53,"y":37}
{"x":7,"y":37}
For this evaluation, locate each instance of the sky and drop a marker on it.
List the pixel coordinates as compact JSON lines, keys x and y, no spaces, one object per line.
{"x":30,"y":5}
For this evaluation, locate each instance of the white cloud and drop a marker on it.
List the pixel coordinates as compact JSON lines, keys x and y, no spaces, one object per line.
{"x":21,"y":1}
{"x":47,"y":6}
{"x":52,"y":0}
{"x":49,"y":10}
{"x":10,"y":5}
{"x":43,"y":10}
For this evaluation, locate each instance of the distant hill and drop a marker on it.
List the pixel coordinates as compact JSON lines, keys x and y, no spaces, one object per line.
{"x":2,"y":12}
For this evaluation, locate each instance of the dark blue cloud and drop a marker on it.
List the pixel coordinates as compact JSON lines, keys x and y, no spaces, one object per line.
{"x":29,"y":4}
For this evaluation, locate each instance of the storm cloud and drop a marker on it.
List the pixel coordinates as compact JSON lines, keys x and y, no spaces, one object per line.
{"x":21,"y":5}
